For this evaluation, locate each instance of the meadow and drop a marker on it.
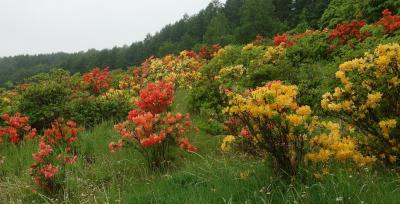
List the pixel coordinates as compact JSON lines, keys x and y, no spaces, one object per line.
{"x":310,"y":117}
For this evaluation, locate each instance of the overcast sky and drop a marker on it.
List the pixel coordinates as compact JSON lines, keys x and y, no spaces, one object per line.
{"x":45,"y":26}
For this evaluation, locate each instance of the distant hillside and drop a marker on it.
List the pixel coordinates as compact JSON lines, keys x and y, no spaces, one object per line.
{"x":235,"y":22}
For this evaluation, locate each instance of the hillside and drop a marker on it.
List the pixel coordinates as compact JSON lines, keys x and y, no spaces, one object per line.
{"x":311,"y":115}
{"x":234,"y":22}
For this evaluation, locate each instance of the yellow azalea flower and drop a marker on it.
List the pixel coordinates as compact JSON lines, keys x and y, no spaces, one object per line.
{"x":347,"y":106}
{"x":273,"y":54}
{"x":248,"y":47}
{"x":395,"y":81}
{"x":392,"y":158}
{"x":294,"y":119}
{"x":373,"y":99}
{"x":304,"y":110}
{"x":226,"y":143}
{"x":338,"y":92}
{"x":386,"y":126}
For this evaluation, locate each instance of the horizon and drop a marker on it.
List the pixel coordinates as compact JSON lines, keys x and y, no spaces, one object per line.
{"x":78,"y":26}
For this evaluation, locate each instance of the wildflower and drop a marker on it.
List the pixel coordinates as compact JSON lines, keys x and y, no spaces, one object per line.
{"x":115,"y":146}
{"x":373,"y":100}
{"x":49,"y":171}
{"x":226,"y":143}
{"x":294,"y":119}
{"x":304,"y":110}
{"x":386,"y":126}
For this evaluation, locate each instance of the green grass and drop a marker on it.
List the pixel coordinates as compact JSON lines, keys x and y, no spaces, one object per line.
{"x":208,"y":176}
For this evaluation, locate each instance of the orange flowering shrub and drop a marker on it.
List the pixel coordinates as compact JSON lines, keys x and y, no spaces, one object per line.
{"x":287,"y":40}
{"x":97,"y":80}
{"x":16,"y":128}
{"x":368,"y":99}
{"x":152,"y":131}
{"x":283,"y":40}
{"x":156,"y":97}
{"x":56,"y":151}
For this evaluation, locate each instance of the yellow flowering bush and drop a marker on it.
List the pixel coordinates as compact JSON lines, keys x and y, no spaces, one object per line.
{"x":231,"y":76}
{"x":331,"y":145}
{"x":368,"y":99}
{"x":120,"y":95}
{"x":271,"y":117}
{"x":6,"y":101}
{"x":249,"y":46}
{"x":183,"y":69}
{"x":274,"y":54}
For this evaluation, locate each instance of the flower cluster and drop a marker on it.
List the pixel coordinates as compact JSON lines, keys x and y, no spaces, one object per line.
{"x":330,"y":144}
{"x":271,"y":116}
{"x":182,"y":69}
{"x":229,"y":76}
{"x":347,"y":31}
{"x":390,"y":22}
{"x":56,"y":150}
{"x":98,"y":80}
{"x":132,"y":82}
{"x":151,"y":130}
{"x":17,"y":128}
{"x":283,"y":40}
{"x":152,"y":134}
{"x":274,"y":54}
{"x":227,"y":142}
{"x":369,"y":99}
{"x":156,"y":97}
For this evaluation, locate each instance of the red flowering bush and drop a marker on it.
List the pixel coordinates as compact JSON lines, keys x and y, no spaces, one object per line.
{"x":283,"y":40}
{"x":56,"y":150}
{"x":16,"y":127}
{"x":287,"y":40}
{"x":150,"y":130}
{"x":347,"y":31}
{"x":389,"y":22}
{"x":98,"y":80}
{"x":156,"y":97}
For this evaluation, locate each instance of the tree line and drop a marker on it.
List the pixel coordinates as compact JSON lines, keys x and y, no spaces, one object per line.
{"x":234,"y":22}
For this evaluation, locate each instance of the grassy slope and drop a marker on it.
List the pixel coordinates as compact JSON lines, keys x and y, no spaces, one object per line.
{"x":206,"y":177}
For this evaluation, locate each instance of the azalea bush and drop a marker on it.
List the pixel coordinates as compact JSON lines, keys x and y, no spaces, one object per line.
{"x":389,"y":22}
{"x":57,"y":150}
{"x":97,"y":80}
{"x":346,"y":32}
{"x":183,"y":69}
{"x":368,"y":99}
{"x":271,"y":117}
{"x":152,"y":130}
{"x":16,"y":128}
{"x":156,"y":97}
{"x":239,"y":138}
{"x":332,"y":145}
{"x":6,"y":101}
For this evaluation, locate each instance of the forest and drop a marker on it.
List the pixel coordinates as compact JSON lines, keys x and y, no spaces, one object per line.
{"x":248,"y":101}
{"x":235,"y":22}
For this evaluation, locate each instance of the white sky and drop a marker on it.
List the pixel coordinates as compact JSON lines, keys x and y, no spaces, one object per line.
{"x":45,"y":26}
